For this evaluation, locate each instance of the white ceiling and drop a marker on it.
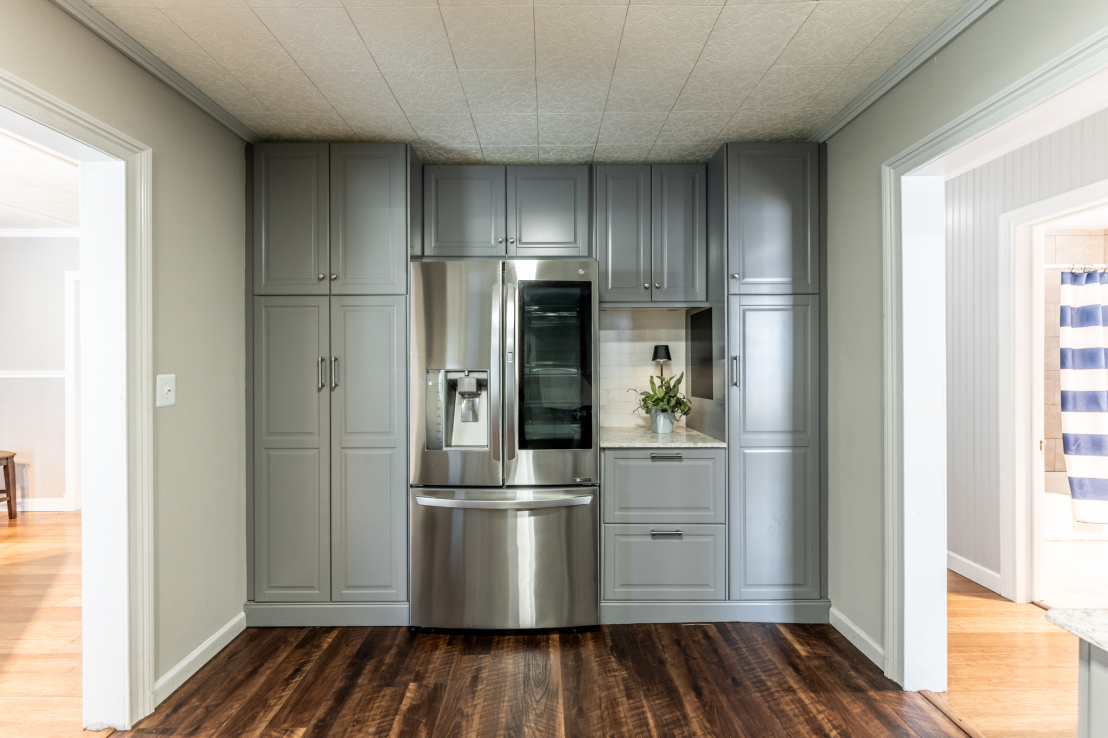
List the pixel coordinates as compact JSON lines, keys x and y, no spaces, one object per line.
{"x":38,"y":188}
{"x":554,"y":81}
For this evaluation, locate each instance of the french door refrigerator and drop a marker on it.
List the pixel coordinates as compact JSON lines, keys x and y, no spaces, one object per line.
{"x":504,"y":444}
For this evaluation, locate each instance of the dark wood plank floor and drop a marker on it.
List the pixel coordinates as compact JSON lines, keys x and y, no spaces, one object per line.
{"x":724,"y":679}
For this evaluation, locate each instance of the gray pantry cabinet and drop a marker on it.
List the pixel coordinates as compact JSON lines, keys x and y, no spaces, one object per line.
{"x":526,"y":211}
{"x":773,"y":419}
{"x":651,"y":233}
{"x":773,"y":218}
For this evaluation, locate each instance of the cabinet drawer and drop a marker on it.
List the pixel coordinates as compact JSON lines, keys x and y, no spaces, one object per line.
{"x":640,"y":565}
{"x":683,"y":485}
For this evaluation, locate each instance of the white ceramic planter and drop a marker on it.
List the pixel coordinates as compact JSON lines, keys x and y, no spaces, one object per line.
{"x":661,"y":421}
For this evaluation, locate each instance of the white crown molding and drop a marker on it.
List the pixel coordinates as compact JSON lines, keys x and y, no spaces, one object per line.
{"x":926,"y":49}
{"x":139,"y":54}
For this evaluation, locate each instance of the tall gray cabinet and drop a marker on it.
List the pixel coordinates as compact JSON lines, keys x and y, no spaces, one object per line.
{"x":769,"y":222}
{"x":329,"y":372}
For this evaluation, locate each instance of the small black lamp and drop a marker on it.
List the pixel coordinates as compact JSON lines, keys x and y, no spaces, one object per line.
{"x":661,"y":355}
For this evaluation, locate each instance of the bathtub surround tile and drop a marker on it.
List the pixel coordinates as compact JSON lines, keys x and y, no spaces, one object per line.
{"x":1052,"y":422}
{"x":1049,"y":451}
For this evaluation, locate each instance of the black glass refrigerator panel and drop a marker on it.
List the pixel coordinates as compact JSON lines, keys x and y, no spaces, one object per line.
{"x":555,"y":391}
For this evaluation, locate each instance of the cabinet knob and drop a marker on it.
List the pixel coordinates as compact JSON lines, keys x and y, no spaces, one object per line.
{"x":657,"y":286}
{"x":321,"y":275}
{"x":334,"y":276}
{"x":511,"y":239}
{"x":735,"y":275}
{"x":646,"y":286}
{"x":500,"y":239}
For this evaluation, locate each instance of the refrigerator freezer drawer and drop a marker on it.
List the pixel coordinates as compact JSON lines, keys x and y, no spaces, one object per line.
{"x":505,"y":558}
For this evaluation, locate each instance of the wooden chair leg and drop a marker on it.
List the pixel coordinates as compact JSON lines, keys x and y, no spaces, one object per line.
{"x":9,"y":483}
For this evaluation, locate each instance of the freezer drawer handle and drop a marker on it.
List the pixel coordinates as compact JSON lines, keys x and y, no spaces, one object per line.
{"x":503,"y":504}
{"x":665,"y":456}
{"x":677,"y":532}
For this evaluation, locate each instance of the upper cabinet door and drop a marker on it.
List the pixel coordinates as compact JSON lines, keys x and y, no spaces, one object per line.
{"x":463,"y":211}
{"x":773,"y":218}
{"x":369,"y":213}
{"x":679,"y":223}
{"x":548,"y":211}
{"x":623,"y":232}
{"x":290,"y":219}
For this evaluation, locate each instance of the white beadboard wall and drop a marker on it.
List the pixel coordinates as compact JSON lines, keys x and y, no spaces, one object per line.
{"x":627,"y":340}
{"x":1073,"y":157}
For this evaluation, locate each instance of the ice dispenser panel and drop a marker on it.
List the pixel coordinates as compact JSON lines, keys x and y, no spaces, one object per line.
{"x":457,"y":410}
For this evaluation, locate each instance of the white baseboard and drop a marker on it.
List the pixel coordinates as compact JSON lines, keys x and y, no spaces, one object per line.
{"x":975,"y":572}
{"x":869,"y":647}
{"x":191,"y":664}
{"x":44,"y":504}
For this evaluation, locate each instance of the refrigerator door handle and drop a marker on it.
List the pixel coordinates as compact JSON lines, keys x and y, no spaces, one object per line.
{"x":494,"y":376}
{"x":511,"y":372}
{"x":503,"y":504}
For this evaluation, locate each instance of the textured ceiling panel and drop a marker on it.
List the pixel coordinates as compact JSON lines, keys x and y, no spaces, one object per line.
{"x":551,"y":81}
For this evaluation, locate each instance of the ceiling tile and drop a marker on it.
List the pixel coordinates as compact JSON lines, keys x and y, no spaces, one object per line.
{"x":837,"y":31}
{"x":491,"y":37}
{"x":580,"y":2}
{"x":438,"y":93}
{"x":507,"y":130}
{"x":692,"y":129}
{"x":294,"y":3}
{"x":197,"y":4}
{"x":565,"y":154}
{"x":445,"y":130}
{"x":511,"y":154}
{"x":915,"y":24}
{"x":620,"y":154}
{"x":500,"y":90}
{"x":664,"y":37}
{"x":678,"y":2}
{"x":376,"y":127}
{"x":630,"y":129}
{"x":405,"y":38}
{"x":752,"y":35}
{"x":578,"y":36}
{"x":569,"y":129}
{"x":240,"y":42}
{"x":681,"y":153}
{"x":455,"y":154}
{"x":640,"y":90}
{"x":389,"y":3}
{"x":422,"y":152}
{"x":101,"y":4}
{"x":850,"y":83}
{"x":790,"y":88}
{"x":761,"y":124}
{"x":573,"y":90}
{"x":484,"y":2}
{"x":710,"y":89}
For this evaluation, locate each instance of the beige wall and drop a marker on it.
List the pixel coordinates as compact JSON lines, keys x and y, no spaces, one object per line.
{"x":627,"y":340}
{"x":1015,"y":38}
{"x":199,"y":232}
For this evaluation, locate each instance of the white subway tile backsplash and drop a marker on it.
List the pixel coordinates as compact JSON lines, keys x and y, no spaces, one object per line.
{"x":627,"y":340}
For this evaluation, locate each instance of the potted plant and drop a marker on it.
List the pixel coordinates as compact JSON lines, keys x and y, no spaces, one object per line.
{"x":664,"y":402}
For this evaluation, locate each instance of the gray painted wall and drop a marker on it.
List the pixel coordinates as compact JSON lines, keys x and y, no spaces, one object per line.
{"x":199,"y":235}
{"x":1015,"y":38}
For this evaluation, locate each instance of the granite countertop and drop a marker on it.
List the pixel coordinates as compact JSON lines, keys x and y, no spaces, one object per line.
{"x":642,"y":438}
{"x":1089,"y":625}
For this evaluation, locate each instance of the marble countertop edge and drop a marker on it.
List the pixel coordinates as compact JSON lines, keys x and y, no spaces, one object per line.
{"x":681,"y":437}
{"x":1089,"y":625}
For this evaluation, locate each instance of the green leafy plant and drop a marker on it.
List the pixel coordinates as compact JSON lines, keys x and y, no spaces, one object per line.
{"x":664,"y":395}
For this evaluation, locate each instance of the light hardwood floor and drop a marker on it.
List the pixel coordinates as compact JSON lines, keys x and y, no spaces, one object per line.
{"x":1012,"y":674}
{"x":40,"y":626}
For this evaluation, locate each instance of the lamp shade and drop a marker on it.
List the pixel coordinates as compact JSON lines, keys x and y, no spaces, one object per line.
{"x":661,"y":353}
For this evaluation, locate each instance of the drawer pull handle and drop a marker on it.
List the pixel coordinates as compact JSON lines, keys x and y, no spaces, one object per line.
{"x":665,"y":456}
{"x":666,"y":532}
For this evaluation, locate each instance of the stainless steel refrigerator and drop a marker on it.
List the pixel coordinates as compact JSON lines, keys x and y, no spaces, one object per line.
{"x":505,"y":444}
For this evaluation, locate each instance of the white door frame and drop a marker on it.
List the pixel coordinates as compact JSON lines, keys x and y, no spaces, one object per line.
{"x":117,"y":690}
{"x":1021,"y":385}
{"x":915,"y":601}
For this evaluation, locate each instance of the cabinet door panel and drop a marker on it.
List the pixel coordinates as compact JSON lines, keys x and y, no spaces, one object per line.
{"x":679,"y":249}
{"x":639,"y":565}
{"x":369,"y":211}
{"x":290,"y":219}
{"x":369,"y":449}
{"x":291,"y":446}
{"x":548,"y":211}
{"x":464,"y":211}
{"x":773,"y":218}
{"x":623,"y":232}
{"x":670,"y":486}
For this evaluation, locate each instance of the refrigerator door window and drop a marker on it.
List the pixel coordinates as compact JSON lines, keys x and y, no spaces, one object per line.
{"x":555,"y":365}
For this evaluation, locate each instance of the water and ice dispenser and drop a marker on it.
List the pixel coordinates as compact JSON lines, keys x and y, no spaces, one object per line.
{"x":457,"y":410}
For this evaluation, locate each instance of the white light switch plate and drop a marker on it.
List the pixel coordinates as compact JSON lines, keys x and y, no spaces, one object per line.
{"x":167,"y":390}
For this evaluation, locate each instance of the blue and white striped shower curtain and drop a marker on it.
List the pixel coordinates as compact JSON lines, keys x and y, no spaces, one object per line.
{"x":1083,"y":341}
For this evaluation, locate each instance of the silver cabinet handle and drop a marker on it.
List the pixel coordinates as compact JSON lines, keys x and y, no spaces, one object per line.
{"x":334,"y":372}
{"x":657,"y":285}
{"x":511,"y":239}
{"x":735,"y":370}
{"x":321,"y":275}
{"x":503,"y":504}
{"x":735,"y":275}
{"x":677,"y":532}
{"x":319,"y":370}
{"x":500,"y":239}
{"x":666,"y":456}
{"x":646,"y":286}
